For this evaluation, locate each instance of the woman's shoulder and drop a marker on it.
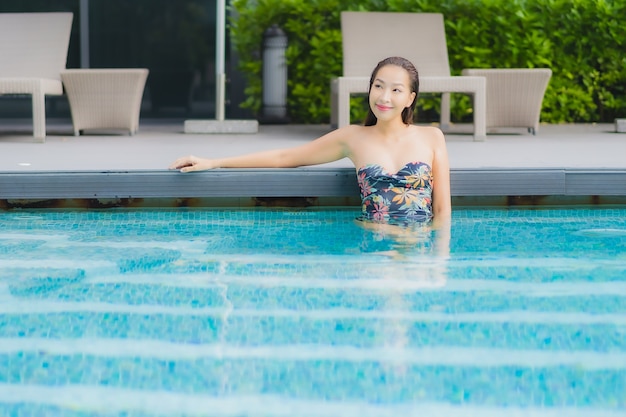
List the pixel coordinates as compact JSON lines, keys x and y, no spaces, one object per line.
{"x":348,"y":130}
{"x":427,"y":130}
{"x":431,"y":134}
{"x":351,"y":133}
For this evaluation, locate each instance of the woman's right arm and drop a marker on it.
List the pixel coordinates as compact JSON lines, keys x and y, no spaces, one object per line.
{"x":327,"y":148}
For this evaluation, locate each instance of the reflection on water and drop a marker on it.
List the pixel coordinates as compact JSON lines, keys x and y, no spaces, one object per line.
{"x":419,"y":252}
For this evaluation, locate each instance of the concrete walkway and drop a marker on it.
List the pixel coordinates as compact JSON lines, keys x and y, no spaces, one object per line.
{"x":159,"y":142}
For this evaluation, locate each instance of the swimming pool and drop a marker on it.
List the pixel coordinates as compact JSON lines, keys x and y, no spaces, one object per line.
{"x":306,"y":313}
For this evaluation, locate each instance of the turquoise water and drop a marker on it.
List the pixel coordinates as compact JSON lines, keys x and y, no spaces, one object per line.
{"x":308,"y":313}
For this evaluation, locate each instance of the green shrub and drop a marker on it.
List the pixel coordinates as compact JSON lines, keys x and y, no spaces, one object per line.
{"x":582,"y":41}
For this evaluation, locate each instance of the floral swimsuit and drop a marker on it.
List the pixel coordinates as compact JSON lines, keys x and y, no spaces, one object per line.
{"x":405,"y":195}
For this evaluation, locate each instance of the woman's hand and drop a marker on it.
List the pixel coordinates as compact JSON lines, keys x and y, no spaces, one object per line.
{"x":192,"y":163}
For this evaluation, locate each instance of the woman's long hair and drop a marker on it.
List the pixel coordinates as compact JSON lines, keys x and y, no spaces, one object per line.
{"x":407,"y":113}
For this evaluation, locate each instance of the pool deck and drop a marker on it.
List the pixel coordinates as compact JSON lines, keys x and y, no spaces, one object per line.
{"x":582,"y":162}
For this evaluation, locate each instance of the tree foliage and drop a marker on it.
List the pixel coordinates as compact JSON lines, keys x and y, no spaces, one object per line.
{"x":582,"y":41}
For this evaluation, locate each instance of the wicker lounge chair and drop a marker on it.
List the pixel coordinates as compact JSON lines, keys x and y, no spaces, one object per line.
{"x":33,"y":51}
{"x":419,"y":37}
{"x":105,"y":98}
{"x":514,"y":95}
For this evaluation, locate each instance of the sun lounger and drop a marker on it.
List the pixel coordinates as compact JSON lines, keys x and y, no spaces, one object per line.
{"x":514,"y":95}
{"x":33,"y":51}
{"x":419,"y":37}
{"x":108,"y":98}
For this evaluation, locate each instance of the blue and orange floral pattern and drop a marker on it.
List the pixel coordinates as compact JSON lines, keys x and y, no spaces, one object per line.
{"x":405,"y":195}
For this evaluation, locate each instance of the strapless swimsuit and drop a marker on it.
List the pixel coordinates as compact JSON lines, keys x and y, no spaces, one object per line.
{"x":405,"y":195}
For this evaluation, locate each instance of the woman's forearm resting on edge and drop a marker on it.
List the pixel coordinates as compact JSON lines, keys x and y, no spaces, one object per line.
{"x":265,"y":159}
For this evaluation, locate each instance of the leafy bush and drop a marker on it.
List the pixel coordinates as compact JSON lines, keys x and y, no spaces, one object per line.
{"x":582,"y":41}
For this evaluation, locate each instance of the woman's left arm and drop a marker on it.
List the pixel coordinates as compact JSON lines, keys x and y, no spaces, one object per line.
{"x":442,"y":204}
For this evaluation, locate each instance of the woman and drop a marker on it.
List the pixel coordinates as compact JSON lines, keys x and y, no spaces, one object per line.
{"x":403,"y":169}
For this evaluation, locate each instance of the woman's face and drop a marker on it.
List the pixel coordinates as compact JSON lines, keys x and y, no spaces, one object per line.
{"x":390,"y":92}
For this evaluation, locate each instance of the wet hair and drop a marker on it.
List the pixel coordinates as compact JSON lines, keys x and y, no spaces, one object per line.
{"x":407,"y":113}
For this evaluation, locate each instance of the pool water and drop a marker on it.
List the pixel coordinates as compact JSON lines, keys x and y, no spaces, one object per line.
{"x":516,"y":312}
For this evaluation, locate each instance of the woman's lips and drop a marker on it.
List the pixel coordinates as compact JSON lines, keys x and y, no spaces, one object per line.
{"x":383,"y":108}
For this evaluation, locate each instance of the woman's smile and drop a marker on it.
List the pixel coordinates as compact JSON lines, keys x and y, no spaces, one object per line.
{"x":382,"y":107}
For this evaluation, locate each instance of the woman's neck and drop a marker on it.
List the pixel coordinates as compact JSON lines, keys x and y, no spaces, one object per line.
{"x":391,"y":129}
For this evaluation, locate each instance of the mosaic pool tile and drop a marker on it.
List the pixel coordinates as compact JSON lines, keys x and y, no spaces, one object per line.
{"x":304,"y":312}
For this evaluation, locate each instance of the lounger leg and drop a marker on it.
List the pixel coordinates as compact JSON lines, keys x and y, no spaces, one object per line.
{"x":333,"y":104}
{"x":343,"y":107}
{"x":444,"y":121}
{"x":480,"y":112}
{"x":39,"y":116}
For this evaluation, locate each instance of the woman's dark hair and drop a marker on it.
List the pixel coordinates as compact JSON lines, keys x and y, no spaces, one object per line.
{"x":407,"y":113}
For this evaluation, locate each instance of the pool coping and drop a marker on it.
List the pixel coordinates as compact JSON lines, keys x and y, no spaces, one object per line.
{"x":298,"y":182}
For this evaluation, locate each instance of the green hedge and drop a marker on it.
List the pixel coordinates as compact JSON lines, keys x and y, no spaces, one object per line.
{"x":582,"y":41}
